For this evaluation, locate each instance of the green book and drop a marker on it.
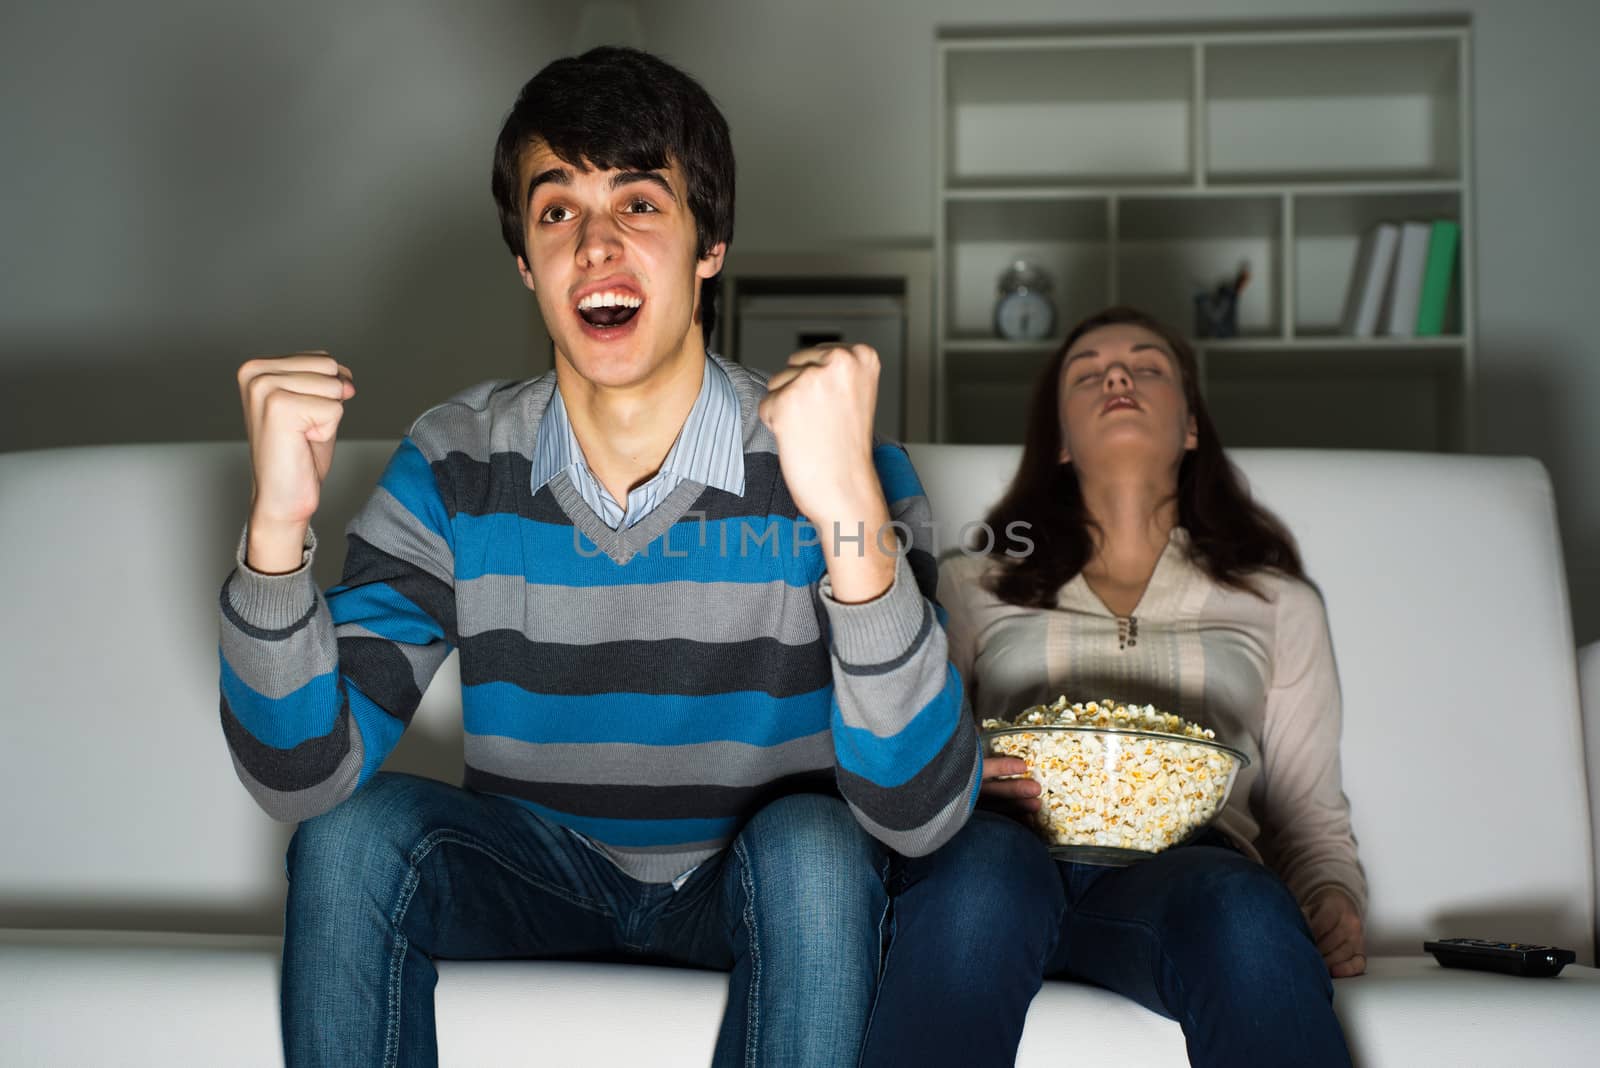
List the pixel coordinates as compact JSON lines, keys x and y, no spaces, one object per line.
{"x":1436,"y":277}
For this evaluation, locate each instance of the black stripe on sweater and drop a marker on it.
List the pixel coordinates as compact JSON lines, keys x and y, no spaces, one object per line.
{"x":308,"y":764}
{"x":674,"y":666}
{"x":502,"y":484}
{"x":253,"y":631}
{"x":365,"y":563}
{"x":916,"y":801}
{"x":378,"y":668}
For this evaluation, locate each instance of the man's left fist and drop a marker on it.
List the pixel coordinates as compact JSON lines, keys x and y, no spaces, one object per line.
{"x":820,"y":409}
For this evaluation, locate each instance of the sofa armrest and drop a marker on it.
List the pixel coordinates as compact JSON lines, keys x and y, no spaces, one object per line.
{"x":1589,"y":696}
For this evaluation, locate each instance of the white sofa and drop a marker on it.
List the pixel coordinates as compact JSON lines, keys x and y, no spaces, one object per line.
{"x":141,"y":889}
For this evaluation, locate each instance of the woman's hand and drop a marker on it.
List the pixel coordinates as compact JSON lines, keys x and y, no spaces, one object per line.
{"x":1336,"y":927}
{"x":1002,"y":789}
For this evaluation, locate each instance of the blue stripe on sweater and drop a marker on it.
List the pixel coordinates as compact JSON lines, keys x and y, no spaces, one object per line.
{"x":380,"y":732}
{"x":891,"y":761}
{"x":508,"y":711}
{"x":409,"y":477}
{"x":638,"y":834}
{"x":899,"y":478}
{"x":504,"y":544}
{"x":283,"y":722}
{"x":384,"y":611}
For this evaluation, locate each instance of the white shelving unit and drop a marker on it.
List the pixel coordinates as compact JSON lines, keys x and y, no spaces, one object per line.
{"x":1141,"y":167}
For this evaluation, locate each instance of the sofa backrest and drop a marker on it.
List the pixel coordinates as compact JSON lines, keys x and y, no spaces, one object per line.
{"x":1442,"y":575}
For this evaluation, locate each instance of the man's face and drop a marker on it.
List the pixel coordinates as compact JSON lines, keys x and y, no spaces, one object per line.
{"x":611,"y":258}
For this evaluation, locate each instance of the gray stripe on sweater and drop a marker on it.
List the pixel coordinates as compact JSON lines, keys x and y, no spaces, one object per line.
{"x":290,"y":663}
{"x":879,"y":702}
{"x":293,"y":806}
{"x":702,"y":764}
{"x":383,"y":521}
{"x":751,"y":386}
{"x":459,"y":423}
{"x":889,"y":666}
{"x":277,"y":667}
{"x":585,"y":615}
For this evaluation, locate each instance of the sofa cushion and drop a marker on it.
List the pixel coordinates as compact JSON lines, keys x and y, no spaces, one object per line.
{"x":147,"y":999}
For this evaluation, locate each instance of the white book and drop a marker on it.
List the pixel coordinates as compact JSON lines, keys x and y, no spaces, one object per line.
{"x":1405,"y":289}
{"x":1369,"y":281}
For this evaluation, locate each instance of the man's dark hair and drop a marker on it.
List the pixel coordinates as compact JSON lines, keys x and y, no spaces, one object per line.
{"x":623,"y":109}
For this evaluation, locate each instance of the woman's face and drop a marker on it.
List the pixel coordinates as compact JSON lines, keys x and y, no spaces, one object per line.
{"x":1121,"y":399}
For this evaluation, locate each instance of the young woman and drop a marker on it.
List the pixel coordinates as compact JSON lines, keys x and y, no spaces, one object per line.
{"x":1153,"y":578}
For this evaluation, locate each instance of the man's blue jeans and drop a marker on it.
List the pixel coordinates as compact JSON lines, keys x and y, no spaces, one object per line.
{"x":408,"y":870}
{"x":1200,"y":934}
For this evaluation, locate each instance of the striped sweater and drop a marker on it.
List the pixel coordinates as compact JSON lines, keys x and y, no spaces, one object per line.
{"x":649,"y":688}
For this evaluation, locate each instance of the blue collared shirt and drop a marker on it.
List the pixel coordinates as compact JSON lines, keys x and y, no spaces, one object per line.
{"x":709,"y":450}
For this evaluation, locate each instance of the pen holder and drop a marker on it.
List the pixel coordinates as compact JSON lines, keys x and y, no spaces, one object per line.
{"x":1216,"y":314}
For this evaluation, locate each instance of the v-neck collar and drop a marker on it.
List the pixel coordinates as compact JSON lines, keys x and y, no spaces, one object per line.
{"x":623,"y":544}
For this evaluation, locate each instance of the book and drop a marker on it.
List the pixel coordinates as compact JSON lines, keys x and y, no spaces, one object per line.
{"x":1443,"y":242}
{"x":1369,"y":281}
{"x":1405,"y":286}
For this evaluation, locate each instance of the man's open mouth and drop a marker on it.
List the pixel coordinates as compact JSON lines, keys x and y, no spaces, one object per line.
{"x":608,"y":309}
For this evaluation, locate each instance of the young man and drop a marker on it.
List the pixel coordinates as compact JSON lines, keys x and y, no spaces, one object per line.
{"x":696,"y":725}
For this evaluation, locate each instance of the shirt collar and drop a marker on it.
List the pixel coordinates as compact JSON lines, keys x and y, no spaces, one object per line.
{"x":709,"y":448}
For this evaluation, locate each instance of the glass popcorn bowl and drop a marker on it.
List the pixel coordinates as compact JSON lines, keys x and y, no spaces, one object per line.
{"x":1112,"y":795}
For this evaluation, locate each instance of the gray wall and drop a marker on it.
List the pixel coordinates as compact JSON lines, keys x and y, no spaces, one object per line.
{"x":188,"y":183}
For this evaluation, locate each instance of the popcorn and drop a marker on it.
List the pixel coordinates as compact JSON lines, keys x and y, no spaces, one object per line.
{"x":1137,"y":784}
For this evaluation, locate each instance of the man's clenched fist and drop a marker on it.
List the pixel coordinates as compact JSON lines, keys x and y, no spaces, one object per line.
{"x":292,"y":407}
{"x":820,"y":410}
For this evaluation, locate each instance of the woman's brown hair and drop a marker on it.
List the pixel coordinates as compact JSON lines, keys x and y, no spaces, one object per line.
{"x":1230,"y":536}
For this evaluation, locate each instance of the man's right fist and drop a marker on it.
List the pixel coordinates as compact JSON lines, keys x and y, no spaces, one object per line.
{"x":292,"y":407}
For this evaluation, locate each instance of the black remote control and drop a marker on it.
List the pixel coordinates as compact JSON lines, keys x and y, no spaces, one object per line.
{"x":1512,"y":958}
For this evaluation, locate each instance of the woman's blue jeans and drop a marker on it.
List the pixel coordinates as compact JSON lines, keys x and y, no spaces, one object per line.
{"x":1200,"y":934}
{"x":408,"y":870}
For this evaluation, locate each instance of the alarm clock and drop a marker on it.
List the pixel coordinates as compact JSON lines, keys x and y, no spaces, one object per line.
{"x":1024,"y":311}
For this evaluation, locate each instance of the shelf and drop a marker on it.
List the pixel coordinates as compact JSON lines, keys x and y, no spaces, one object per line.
{"x":986,"y":402}
{"x":1118,"y":114}
{"x":1288,"y":346}
{"x":1000,"y":346}
{"x":1328,"y":233}
{"x":1067,"y":238}
{"x":1171,"y":248}
{"x":1396,"y":397}
{"x":1145,"y":168}
{"x":1324,"y":343}
{"x":1032,"y":189}
{"x":1339,"y":110}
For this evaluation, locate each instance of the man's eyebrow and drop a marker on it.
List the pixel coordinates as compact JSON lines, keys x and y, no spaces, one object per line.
{"x":623,"y":178}
{"x":556,"y":175}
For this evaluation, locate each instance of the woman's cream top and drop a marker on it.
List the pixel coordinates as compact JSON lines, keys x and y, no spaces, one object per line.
{"x":1257,"y":670}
